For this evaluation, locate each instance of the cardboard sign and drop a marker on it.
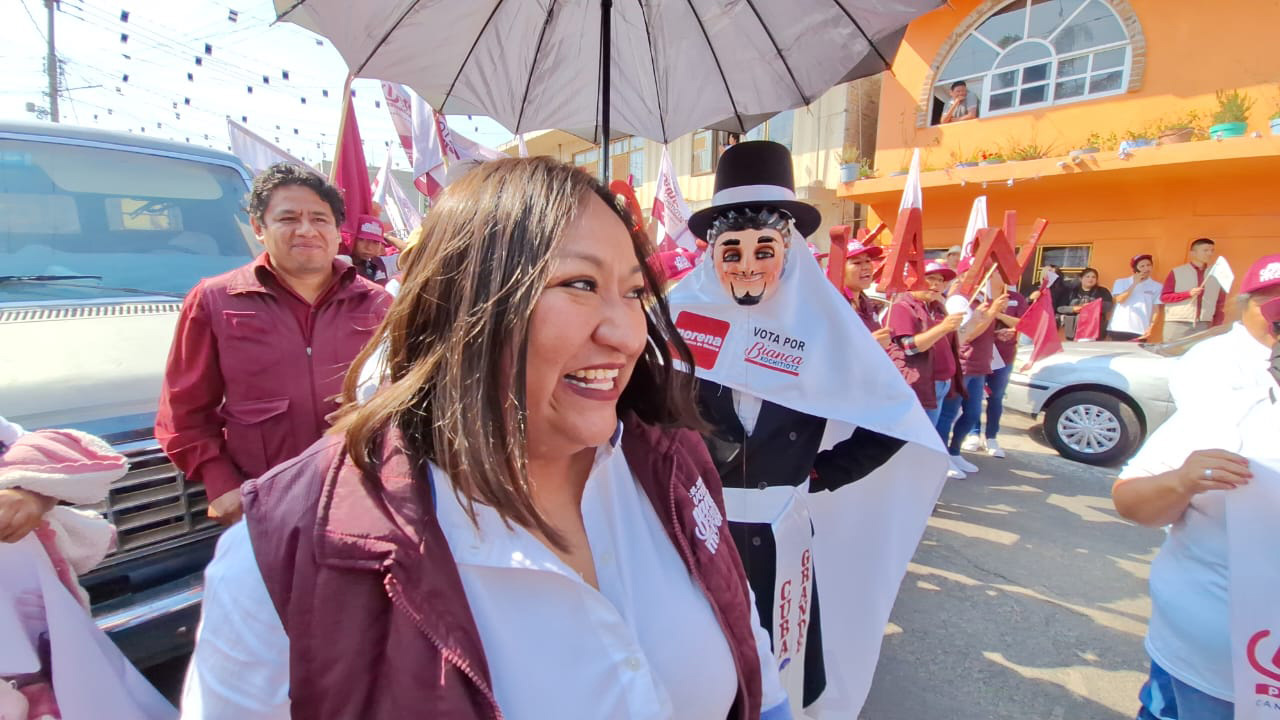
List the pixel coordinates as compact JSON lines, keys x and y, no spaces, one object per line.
{"x":904,"y":267}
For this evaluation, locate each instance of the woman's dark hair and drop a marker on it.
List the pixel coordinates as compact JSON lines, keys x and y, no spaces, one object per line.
{"x":1088,"y":271}
{"x":749,"y":218}
{"x":457,"y":336}
{"x":282,"y":174}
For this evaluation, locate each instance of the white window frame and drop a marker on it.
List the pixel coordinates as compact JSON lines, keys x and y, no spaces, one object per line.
{"x":1055,"y":58}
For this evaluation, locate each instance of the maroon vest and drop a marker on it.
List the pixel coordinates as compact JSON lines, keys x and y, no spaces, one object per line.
{"x":369,"y":594}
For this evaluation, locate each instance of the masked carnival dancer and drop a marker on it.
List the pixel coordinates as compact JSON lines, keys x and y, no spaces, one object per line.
{"x":821,"y":446}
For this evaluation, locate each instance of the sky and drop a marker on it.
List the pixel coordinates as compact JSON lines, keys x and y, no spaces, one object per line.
{"x":150,"y":82}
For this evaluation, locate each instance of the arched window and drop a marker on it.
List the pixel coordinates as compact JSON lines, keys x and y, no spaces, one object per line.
{"x":1033,"y":53}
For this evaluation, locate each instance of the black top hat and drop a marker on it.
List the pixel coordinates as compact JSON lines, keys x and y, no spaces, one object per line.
{"x":756,"y":174}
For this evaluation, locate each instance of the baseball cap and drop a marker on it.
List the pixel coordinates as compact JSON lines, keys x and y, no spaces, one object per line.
{"x":855,"y":248}
{"x":936,"y":268}
{"x":1133,"y":261}
{"x":672,"y":265}
{"x":1262,"y":275}
{"x":369,"y":228}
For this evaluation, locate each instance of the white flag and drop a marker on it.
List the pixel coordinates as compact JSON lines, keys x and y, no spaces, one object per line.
{"x":398,"y":207}
{"x":1221,"y":272}
{"x":415,"y":123}
{"x":977,"y":221}
{"x":912,"y":194}
{"x":670,"y":209}
{"x":256,"y":152}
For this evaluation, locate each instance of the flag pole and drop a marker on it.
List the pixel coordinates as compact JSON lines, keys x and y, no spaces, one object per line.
{"x":606,"y":9}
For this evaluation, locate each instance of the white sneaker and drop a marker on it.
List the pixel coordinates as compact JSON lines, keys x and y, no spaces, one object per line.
{"x":994,"y":449}
{"x":963,"y":465}
{"x":973,"y":443}
{"x":954,"y":473}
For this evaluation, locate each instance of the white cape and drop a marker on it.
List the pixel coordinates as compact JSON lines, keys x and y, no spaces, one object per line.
{"x":91,"y":678}
{"x":806,"y":349}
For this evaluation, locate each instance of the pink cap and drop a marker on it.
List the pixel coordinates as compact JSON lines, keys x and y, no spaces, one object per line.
{"x":936,"y":268}
{"x":1133,"y":261}
{"x":855,"y":248}
{"x":672,"y":265}
{"x":369,"y":228}
{"x":1263,"y":274}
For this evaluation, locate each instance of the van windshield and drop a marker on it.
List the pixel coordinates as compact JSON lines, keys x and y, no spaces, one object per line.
{"x":81,"y":223}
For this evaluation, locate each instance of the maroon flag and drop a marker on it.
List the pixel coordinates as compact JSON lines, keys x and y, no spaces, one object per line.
{"x":350,"y":173}
{"x":1089,"y":321}
{"x":1040,"y":325}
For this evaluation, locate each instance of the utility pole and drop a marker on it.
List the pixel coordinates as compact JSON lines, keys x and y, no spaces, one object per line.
{"x":51,"y":66}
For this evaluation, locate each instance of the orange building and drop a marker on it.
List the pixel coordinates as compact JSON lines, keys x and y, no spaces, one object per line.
{"x":1053,"y":80}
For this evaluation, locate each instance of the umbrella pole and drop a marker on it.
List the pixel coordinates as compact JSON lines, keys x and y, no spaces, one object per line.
{"x":606,"y":9}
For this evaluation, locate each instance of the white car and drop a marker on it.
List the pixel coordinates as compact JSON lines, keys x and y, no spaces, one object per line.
{"x":1100,"y":399}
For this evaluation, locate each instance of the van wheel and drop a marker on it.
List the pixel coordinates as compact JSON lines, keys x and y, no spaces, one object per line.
{"x":1092,"y":427}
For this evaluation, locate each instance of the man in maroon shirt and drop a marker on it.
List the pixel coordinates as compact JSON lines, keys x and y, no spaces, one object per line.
{"x":259,"y":353}
{"x":1193,"y":299}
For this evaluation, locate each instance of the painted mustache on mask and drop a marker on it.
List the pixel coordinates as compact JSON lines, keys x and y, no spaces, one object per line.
{"x":746,"y":298}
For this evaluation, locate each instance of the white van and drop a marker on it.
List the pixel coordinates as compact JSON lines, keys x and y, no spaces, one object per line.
{"x":101,"y":236}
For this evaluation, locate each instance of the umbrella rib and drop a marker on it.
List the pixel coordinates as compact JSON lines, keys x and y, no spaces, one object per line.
{"x":467,"y":59}
{"x":284,"y":14}
{"x":534,"y":64}
{"x":778,"y":50}
{"x":386,"y":35}
{"x":865,"y":36}
{"x":653,"y":65}
{"x":719,"y":68}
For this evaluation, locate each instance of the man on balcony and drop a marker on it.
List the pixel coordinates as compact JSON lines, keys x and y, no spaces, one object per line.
{"x":961,"y":107}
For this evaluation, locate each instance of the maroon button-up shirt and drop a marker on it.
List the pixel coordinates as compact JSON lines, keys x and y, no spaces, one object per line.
{"x":255,"y":370}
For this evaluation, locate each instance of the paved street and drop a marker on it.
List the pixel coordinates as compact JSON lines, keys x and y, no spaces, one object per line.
{"x":1026,"y":599}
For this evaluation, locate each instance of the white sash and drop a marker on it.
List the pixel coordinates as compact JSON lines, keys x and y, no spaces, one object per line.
{"x":1254,"y":592}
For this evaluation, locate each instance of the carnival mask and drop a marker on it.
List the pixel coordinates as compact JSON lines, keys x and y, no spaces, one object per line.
{"x":749,"y":263}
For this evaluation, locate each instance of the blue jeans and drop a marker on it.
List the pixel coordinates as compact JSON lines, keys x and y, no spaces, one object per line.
{"x":970,"y":412}
{"x":1165,"y":697}
{"x":940,"y":390}
{"x":997,"y":383}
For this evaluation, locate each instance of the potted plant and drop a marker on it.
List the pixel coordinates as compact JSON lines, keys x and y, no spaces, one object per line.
{"x":1029,"y":151}
{"x":1178,"y":130}
{"x":1232,"y":117}
{"x":961,"y":160}
{"x":1275,"y":120}
{"x":851,"y":164}
{"x":1143,"y":137}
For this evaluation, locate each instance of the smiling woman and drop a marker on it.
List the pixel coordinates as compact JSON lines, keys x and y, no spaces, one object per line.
{"x":523,"y":510}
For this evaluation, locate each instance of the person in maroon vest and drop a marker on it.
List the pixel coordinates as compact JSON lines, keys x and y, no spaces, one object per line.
{"x":259,"y":352}
{"x":521,"y":522}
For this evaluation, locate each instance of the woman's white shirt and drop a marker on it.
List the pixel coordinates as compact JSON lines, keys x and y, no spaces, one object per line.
{"x":1189,"y":634}
{"x":645,"y":645}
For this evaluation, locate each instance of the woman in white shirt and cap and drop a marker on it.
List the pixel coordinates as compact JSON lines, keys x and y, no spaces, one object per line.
{"x":1228,"y":413}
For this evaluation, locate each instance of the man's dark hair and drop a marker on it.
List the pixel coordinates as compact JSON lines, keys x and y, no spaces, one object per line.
{"x":749,"y":218}
{"x":959,"y":83}
{"x":282,"y":174}
{"x":1200,"y":241}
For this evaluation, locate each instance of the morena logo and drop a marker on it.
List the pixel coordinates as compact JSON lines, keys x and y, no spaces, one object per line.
{"x":704,"y":336}
{"x":1251,"y":651}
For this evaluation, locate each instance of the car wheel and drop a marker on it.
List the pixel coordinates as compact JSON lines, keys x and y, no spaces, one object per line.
{"x":1092,"y":427}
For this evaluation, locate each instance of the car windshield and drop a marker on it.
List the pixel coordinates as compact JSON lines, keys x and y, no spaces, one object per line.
{"x":1177,"y":347}
{"x":83,"y":223}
